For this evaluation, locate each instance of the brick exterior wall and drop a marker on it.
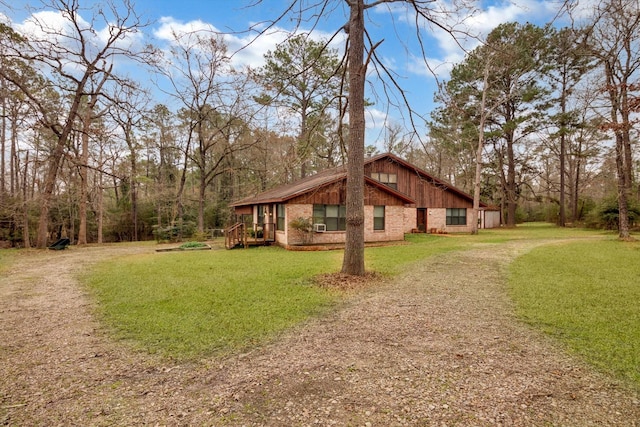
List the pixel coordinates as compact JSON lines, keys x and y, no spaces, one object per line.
{"x":395,"y":226}
{"x":437,"y":222}
{"x":410,"y":219}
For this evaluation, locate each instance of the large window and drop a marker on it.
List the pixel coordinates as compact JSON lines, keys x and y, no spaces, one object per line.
{"x":390,"y":179}
{"x":378,"y":217}
{"x":333,"y":216}
{"x":280,"y":217}
{"x":456,"y":216}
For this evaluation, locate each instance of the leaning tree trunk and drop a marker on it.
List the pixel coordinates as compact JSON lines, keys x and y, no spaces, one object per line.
{"x":47,"y":193}
{"x":353,"y":262}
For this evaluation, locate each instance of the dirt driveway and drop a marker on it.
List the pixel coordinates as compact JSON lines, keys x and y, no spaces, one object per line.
{"x":438,"y":346}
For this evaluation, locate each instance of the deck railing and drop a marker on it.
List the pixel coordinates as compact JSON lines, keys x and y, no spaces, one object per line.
{"x":241,"y":234}
{"x":235,"y":235}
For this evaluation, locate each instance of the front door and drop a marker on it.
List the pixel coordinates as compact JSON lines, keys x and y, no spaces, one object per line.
{"x":422,"y":219}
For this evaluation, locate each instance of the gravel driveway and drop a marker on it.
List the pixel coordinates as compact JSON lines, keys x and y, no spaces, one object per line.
{"x":437,"y":346}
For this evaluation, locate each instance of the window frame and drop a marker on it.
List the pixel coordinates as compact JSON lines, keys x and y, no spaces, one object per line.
{"x":336,"y":222}
{"x":280,"y":216}
{"x":379,"y":222}
{"x":456,"y":216}
{"x":388,"y":179}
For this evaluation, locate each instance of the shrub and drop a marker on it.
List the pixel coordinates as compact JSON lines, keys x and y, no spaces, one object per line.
{"x":605,"y":215}
{"x":191,"y":245}
{"x":304,"y":228}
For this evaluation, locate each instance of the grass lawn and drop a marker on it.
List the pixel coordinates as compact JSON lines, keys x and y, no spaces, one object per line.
{"x":587,"y":295}
{"x":186,"y":304}
{"x":191,"y":304}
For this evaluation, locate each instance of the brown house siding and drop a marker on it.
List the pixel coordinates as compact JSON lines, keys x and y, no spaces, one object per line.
{"x":335,"y":194}
{"x":420,"y":202}
{"x":393,"y":226}
{"x":427,"y":192}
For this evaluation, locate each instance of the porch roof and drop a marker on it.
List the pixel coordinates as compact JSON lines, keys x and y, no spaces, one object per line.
{"x":285,"y":192}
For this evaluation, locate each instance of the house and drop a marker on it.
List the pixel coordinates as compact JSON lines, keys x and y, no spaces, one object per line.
{"x":399,"y":198}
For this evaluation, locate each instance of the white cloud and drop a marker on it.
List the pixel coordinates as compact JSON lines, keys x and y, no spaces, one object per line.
{"x":54,"y":34}
{"x":445,"y":48}
{"x":246,"y":49}
{"x":170,"y":28}
{"x":375,"y":118}
{"x":50,"y":26}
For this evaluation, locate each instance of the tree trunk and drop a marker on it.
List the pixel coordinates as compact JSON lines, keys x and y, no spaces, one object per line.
{"x":202,"y":153}
{"x":100,"y":209}
{"x":353,"y":262}
{"x":84,"y":160}
{"x":13,"y":161}
{"x":127,"y":128}
{"x":26,"y":242}
{"x":47,"y":193}
{"x":201,"y":196}
{"x":563,"y":148}
{"x":619,"y":129}
{"x":478,"y":173}
{"x":623,"y":202}
{"x":511,"y":184}
{"x":3,"y":141}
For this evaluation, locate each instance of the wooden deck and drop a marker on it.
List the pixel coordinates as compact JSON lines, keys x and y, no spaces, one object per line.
{"x":244,"y":235}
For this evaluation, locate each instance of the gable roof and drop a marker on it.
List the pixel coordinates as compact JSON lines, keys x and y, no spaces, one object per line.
{"x":430,"y":178}
{"x":286,"y":192}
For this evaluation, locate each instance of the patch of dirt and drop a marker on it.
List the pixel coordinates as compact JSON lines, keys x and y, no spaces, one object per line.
{"x":346,"y":282}
{"x":438,"y":345}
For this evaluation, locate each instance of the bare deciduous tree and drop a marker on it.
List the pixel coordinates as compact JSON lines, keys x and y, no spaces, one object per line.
{"x":71,"y":56}
{"x":214,"y":97}
{"x":360,"y":53}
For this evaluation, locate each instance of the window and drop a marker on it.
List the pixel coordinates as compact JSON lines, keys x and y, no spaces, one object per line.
{"x":390,"y":179}
{"x":456,"y":216}
{"x":333,"y":216}
{"x":260,"y":219}
{"x":378,"y":217}
{"x":280,"y":217}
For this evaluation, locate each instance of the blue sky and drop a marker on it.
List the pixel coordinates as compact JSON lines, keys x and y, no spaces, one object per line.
{"x":399,"y":50}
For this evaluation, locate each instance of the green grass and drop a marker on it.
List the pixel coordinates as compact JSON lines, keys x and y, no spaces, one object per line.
{"x":587,"y":295}
{"x":185,"y":305}
{"x":189,"y":304}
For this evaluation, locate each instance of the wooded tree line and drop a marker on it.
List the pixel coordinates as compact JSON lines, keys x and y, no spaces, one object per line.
{"x":550,"y":117}
{"x":89,"y":153}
